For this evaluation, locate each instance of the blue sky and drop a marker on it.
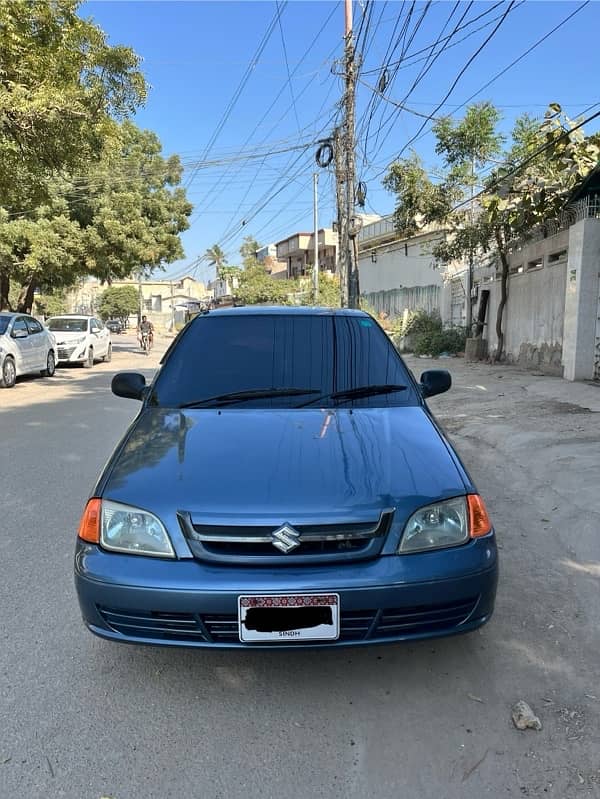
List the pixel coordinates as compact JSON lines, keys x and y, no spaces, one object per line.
{"x":197,"y":54}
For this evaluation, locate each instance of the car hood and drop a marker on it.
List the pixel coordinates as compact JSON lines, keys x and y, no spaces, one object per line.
{"x":283,"y":464}
{"x":67,"y":335}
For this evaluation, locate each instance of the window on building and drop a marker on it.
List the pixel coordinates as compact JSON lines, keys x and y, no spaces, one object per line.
{"x":148,"y":305}
{"x":557,"y":257}
{"x":537,"y":263}
{"x":516,"y":269}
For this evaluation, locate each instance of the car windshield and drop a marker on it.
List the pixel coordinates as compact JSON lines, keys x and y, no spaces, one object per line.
{"x":60,"y":325}
{"x":4,"y":322}
{"x":282,"y":361}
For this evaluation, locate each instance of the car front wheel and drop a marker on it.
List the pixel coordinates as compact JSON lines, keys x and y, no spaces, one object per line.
{"x":9,"y":373}
{"x":89,"y":361}
{"x":50,"y":365}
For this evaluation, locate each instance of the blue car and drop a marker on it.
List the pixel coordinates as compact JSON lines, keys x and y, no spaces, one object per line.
{"x":284,"y":485}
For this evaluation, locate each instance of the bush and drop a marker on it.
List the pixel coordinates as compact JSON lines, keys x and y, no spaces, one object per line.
{"x":429,"y":336}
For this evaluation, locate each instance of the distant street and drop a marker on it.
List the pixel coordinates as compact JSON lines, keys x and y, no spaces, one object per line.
{"x":83,"y":719}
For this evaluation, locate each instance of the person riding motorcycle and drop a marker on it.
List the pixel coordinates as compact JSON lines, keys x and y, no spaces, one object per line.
{"x":146,"y":328}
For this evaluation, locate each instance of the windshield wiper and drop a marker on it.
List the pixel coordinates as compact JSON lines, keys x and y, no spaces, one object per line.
{"x":356,"y":393}
{"x":254,"y":393}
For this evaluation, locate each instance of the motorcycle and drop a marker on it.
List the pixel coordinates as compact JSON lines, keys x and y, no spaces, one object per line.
{"x":145,"y":341}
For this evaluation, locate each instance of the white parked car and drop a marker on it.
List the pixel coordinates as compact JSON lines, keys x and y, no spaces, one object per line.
{"x":80,"y":339}
{"x":26,"y":346}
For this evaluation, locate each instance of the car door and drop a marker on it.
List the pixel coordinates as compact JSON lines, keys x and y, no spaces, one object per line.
{"x":102,"y":337}
{"x":38,"y":343}
{"x":21,"y":340}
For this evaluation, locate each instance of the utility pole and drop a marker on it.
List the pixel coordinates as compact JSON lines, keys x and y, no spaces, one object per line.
{"x":349,"y":146}
{"x":345,"y":176}
{"x":316,"y":234}
{"x":469,"y":308}
{"x":342,"y":226}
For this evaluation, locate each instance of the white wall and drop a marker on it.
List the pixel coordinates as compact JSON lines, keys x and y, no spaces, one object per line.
{"x":582,"y":300}
{"x":402,"y":276}
{"x":534,"y":314}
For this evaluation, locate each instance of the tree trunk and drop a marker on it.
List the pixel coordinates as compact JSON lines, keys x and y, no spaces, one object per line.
{"x":4,"y":290}
{"x":25,"y":303}
{"x":503,"y":298}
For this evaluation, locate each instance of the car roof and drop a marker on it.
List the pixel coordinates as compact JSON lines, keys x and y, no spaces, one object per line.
{"x":71,"y":316}
{"x":283,"y":310}
{"x":11,"y":314}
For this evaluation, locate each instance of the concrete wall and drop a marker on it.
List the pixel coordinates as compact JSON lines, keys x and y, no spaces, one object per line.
{"x":534,"y":315}
{"x":582,"y":300}
{"x":402,"y":276}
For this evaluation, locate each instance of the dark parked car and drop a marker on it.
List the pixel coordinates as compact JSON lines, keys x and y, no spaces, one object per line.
{"x":115,"y":326}
{"x":284,"y":484}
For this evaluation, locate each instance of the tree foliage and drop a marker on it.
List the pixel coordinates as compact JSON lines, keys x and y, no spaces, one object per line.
{"x":82,"y":190}
{"x":216,"y":258}
{"x":51,"y":304}
{"x":543,"y":164}
{"x":119,"y":302}
{"x":61,"y":84}
{"x":256,"y":287}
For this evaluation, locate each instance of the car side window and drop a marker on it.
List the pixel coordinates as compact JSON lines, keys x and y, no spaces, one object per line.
{"x":20,"y":324}
{"x":95,"y":325}
{"x":33,"y":325}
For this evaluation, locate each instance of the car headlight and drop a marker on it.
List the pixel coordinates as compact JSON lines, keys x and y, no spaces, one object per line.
{"x":126,"y":529}
{"x":445,"y":524}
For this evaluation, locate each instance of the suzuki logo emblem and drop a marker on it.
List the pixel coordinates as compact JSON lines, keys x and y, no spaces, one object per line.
{"x":285,"y":538}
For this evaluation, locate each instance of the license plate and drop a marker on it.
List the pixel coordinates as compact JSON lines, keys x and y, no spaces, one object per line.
{"x":289,"y":617}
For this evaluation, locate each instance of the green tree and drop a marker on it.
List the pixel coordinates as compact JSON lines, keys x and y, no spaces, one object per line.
{"x":329,"y":291}
{"x":119,"y":302}
{"x":62,"y":90}
{"x":61,"y":83}
{"x":256,"y":287}
{"x":125,"y":215}
{"x":51,"y":304}
{"x":248,"y":251}
{"x":216,"y":258}
{"x":515,"y":198}
{"x":135,"y":210}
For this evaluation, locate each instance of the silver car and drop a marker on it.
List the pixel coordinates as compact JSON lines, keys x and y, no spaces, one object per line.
{"x":26,"y":346}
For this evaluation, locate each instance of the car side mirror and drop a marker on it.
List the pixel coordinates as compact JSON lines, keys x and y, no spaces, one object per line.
{"x":95,"y":330}
{"x":19,"y":334}
{"x":435,"y":381}
{"x":131,"y":385}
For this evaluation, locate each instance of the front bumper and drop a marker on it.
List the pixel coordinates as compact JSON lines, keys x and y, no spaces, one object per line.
{"x":66,"y":353}
{"x":141,"y":600}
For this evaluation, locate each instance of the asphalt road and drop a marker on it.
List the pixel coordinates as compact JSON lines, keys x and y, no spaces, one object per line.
{"x":84,"y":719}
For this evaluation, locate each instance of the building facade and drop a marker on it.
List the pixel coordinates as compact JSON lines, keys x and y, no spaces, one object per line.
{"x":398,"y":274}
{"x":161,"y":300}
{"x":298,"y":252}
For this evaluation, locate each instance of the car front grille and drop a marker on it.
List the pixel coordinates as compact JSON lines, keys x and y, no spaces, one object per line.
{"x":355,"y":626}
{"x":65,"y":352}
{"x":311,"y":542}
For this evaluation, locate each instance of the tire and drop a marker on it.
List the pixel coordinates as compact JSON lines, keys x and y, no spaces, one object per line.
{"x":108,"y":357}
{"x":89,"y":362}
{"x":50,"y":365}
{"x":9,"y":373}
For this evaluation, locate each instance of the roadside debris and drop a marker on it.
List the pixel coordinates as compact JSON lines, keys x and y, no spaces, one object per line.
{"x":524,"y":718}
{"x":475,"y":698}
